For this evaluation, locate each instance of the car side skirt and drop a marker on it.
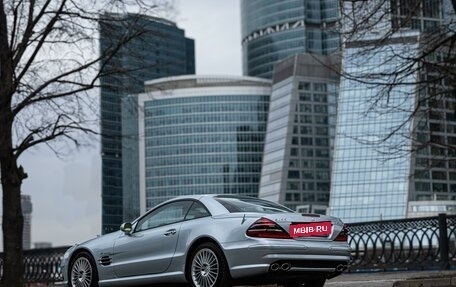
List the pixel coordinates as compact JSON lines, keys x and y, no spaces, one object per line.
{"x":171,"y":277}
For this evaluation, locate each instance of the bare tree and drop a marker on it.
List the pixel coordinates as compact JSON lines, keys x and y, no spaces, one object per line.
{"x":426,"y":65}
{"x":49,"y":63}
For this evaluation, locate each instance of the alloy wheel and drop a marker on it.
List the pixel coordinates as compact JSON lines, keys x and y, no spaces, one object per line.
{"x":205,"y":268}
{"x":81,"y":273}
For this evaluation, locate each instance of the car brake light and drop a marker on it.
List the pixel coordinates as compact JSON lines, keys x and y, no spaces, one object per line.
{"x":266,"y":228}
{"x":343,"y":235}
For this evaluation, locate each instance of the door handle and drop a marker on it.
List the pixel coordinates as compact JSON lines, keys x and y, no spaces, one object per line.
{"x":170,"y":232}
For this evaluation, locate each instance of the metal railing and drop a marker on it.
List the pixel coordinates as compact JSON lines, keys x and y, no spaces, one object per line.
{"x":41,"y":265}
{"x":410,"y":244}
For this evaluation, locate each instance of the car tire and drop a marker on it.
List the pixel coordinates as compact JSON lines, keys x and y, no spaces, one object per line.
{"x":83,"y":271}
{"x":308,"y":283}
{"x":208,"y":268}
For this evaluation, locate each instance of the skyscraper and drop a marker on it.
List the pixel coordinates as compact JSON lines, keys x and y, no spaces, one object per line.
{"x":300,"y":132}
{"x":393,"y":155}
{"x":202,"y":134}
{"x":26,"y":203}
{"x":160,"y":49}
{"x":368,"y":182}
{"x":275,"y":30}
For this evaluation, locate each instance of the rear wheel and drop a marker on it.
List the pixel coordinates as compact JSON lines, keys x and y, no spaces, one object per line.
{"x":83,"y":272}
{"x":208,"y":267}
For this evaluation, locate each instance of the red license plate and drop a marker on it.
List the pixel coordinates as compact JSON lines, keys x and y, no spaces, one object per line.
{"x":318,"y":229}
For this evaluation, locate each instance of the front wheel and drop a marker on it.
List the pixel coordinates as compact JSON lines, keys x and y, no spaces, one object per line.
{"x":208,"y":267}
{"x":83,"y":272}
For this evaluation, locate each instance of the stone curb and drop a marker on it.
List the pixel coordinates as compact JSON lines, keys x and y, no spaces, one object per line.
{"x":431,"y":282}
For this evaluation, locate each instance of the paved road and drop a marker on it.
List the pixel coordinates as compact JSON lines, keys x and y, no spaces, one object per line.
{"x":387,"y":279}
{"x":391,"y":279}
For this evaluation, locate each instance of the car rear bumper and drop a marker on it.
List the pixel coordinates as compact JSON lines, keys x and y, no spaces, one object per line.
{"x":287,"y":258}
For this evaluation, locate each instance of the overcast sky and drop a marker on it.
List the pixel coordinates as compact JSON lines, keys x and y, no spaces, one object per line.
{"x":66,"y":193}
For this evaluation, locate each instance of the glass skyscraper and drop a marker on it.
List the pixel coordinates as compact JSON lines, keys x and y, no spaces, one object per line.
{"x":393,"y":153}
{"x":274,"y":30}
{"x":160,"y":49}
{"x":300,"y":133}
{"x":201,"y":134}
{"x":368,"y":181}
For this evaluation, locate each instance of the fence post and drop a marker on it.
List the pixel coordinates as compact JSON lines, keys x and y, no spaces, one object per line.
{"x":443,"y":242}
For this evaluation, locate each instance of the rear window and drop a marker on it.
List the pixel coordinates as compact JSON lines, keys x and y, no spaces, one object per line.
{"x":248,"y":204}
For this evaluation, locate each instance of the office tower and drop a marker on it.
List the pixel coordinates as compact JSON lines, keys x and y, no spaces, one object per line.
{"x":160,"y":50}
{"x":300,"y":132}
{"x":201,"y":134}
{"x":275,"y":30}
{"x":27,"y":208}
{"x":412,"y":172}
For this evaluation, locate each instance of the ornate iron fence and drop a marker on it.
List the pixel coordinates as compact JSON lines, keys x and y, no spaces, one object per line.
{"x":41,"y":265}
{"x":411,"y":244}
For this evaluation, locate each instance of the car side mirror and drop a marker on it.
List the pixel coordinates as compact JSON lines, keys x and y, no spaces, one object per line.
{"x":126,"y":228}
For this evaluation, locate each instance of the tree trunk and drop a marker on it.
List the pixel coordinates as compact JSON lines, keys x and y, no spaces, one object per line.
{"x":11,"y":174}
{"x":12,"y":234}
{"x":12,"y":223}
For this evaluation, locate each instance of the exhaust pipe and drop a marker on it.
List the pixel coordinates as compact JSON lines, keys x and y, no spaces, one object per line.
{"x":274,"y":267}
{"x":285,"y":266}
{"x":341,"y":267}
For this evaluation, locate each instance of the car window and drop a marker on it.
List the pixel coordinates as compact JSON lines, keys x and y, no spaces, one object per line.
{"x":167,"y":214}
{"x":197,"y":210}
{"x":241,"y":204}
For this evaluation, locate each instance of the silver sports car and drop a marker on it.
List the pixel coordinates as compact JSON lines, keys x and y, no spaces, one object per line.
{"x":213,"y":240}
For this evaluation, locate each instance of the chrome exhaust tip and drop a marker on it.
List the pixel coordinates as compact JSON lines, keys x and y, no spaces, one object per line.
{"x":285,"y":266}
{"x":274,"y":267}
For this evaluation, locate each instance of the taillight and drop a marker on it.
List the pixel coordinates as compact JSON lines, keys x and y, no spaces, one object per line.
{"x":266,"y":228}
{"x":343,"y":235}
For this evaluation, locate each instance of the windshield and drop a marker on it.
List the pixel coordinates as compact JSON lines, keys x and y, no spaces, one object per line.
{"x":250,"y":204}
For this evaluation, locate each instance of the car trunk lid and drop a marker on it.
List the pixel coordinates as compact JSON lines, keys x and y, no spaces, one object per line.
{"x":308,"y":226}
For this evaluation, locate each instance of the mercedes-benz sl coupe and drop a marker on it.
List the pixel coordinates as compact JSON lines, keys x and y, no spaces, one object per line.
{"x":213,"y":240}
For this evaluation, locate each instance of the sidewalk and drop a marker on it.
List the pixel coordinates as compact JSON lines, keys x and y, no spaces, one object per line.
{"x":395,"y":279}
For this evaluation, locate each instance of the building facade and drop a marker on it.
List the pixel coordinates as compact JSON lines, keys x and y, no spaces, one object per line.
{"x":274,"y":30}
{"x":395,"y":135}
{"x":161,"y":50}
{"x":201,"y":134}
{"x":42,"y":244}
{"x":300,"y":133}
{"x":368,"y":182}
{"x":27,"y":209}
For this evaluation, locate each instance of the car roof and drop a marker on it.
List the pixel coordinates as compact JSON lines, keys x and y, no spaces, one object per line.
{"x":199,"y":196}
